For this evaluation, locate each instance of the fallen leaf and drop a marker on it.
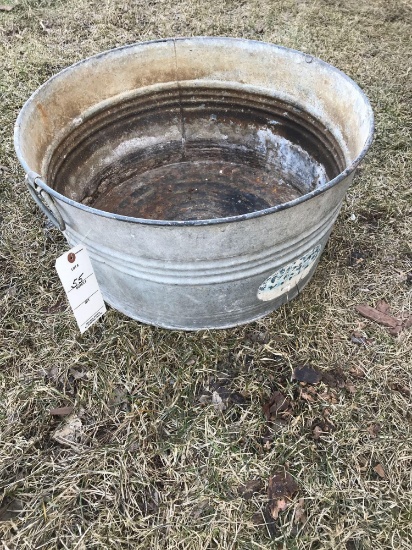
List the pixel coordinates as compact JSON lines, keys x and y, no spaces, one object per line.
{"x":62,"y":411}
{"x":217,"y":402}
{"x":58,"y":307}
{"x":374,"y":315}
{"x":238,"y":399}
{"x":300,"y":516}
{"x":321,"y":427}
{"x":350,"y":388}
{"x":281,"y":488}
{"x":363,"y":464}
{"x":279,"y":506}
{"x":78,"y":373}
{"x":358,"y":338}
{"x":334,"y":378}
{"x":6,"y":8}
{"x":260,"y":337}
{"x":251,"y":487}
{"x":307,"y":374}
{"x":317,"y":432}
{"x":70,"y":433}
{"x":383,"y":306}
{"x":356,"y":258}
{"x":329,"y":396}
{"x":357,"y":372}
{"x":374,"y":430}
{"x":380,"y":471}
{"x":277,"y":403}
{"x":306,"y":396}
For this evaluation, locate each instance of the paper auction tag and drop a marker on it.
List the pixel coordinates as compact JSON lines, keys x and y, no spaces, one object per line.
{"x":80,"y":284}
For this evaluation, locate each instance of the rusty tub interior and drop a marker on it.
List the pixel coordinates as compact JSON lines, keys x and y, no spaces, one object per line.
{"x":192,"y":153}
{"x":191,"y":129}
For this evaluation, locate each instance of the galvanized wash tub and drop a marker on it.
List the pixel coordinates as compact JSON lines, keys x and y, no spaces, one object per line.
{"x":204,"y":175}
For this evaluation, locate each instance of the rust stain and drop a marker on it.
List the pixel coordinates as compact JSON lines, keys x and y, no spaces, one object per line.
{"x":239,"y":153}
{"x":43,"y":113}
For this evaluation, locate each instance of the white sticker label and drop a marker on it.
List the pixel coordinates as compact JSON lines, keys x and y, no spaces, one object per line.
{"x":286,"y":278}
{"x":80,"y":284}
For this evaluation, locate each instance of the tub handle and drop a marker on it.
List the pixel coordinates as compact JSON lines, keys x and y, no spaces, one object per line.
{"x":44,"y":200}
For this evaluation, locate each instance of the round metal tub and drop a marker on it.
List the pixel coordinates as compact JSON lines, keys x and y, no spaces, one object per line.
{"x":204,"y":175}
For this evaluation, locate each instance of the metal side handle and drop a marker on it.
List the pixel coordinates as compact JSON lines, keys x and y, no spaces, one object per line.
{"x":44,"y":200}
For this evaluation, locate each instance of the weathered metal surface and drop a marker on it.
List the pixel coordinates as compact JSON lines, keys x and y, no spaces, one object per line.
{"x":204,"y":175}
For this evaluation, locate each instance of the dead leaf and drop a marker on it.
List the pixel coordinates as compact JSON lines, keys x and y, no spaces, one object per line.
{"x":358,"y":338}
{"x":350,"y":388}
{"x":280,"y":506}
{"x":238,"y":399}
{"x":356,"y":258}
{"x":62,"y":411}
{"x":300,"y":516}
{"x":380,"y":471}
{"x":317,"y":432}
{"x":383,"y":306}
{"x":321,"y":427}
{"x":281,"y":488}
{"x":306,"y":396}
{"x":78,"y":373}
{"x":334,"y":378}
{"x":374,"y":315}
{"x":58,"y":307}
{"x":307,"y":374}
{"x":251,"y":487}
{"x":357,"y":372}
{"x":217,"y":402}
{"x":374,"y":430}
{"x":260,"y":337}
{"x":277,"y":403}
{"x":70,"y":433}
{"x":6,"y":8}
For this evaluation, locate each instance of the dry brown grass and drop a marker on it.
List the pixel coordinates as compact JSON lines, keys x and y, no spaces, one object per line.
{"x":151,"y":467}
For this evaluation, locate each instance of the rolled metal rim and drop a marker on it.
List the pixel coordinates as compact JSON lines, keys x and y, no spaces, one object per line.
{"x":212,"y":221}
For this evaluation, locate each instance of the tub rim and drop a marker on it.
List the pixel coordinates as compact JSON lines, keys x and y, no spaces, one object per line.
{"x":211,"y":221}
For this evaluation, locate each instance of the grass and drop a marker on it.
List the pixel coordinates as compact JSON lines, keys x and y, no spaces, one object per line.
{"x":150,"y":466}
